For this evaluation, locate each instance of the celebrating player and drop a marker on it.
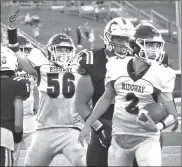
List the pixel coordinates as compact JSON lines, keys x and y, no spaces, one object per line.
{"x":13,"y":92}
{"x":133,"y":83}
{"x":57,"y":123}
{"x":93,"y":69}
{"x":30,"y":105}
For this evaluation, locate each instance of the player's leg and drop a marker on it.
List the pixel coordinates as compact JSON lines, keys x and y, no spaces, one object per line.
{"x":74,"y":152}
{"x":40,"y":153}
{"x":119,"y":156}
{"x":135,"y":164}
{"x":16,"y":154}
{"x":6,"y":157}
{"x":97,"y":155}
{"x":148,"y":153}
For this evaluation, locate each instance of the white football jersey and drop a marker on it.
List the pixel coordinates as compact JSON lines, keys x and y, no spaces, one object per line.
{"x":57,"y":89}
{"x":133,"y":93}
{"x":28,"y":104}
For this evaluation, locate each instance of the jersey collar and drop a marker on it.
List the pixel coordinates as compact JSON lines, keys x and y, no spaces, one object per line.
{"x":131,"y":72}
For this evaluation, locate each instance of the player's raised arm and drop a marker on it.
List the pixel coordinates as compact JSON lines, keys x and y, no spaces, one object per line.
{"x":23,"y":60}
{"x":14,"y":45}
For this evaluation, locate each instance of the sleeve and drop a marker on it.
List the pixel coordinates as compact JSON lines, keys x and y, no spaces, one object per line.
{"x":37,"y":58}
{"x":168,"y":81}
{"x":85,"y":62}
{"x":22,"y":88}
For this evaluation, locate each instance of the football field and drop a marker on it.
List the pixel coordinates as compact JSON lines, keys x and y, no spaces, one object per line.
{"x":171,"y":152}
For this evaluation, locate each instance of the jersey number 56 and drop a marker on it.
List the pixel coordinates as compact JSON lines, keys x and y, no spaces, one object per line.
{"x":68,"y":87}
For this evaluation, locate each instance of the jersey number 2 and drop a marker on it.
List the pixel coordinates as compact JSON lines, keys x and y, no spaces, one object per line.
{"x":132,"y":107}
{"x":68,"y":87}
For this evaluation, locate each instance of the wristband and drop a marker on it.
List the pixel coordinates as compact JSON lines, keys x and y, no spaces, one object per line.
{"x":12,"y":36}
{"x":13,"y":41}
{"x":168,"y":120}
{"x":164,"y":126}
{"x":18,"y":137}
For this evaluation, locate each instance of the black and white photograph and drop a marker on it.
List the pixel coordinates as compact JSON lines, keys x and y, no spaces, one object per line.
{"x":90,"y":83}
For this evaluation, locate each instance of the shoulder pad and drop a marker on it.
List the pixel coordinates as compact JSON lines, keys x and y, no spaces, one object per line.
{"x":85,"y":60}
{"x":37,"y":58}
{"x":85,"y":57}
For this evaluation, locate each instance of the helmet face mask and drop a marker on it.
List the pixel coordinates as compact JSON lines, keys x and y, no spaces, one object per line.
{"x":25,"y":50}
{"x":149,"y":49}
{"x":25,"y":45}
{"x":120,"y":45}
{"x":147,"y":43}
{"x":61,"y":50}
{"x":116,"y":36}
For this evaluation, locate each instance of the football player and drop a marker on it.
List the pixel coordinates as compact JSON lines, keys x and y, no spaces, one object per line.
{"x":133,"y":83}
{"x":92,"y":70}
{"x":57,"y":123}
{"x":30,"y":105}
{"x":13,"y":92}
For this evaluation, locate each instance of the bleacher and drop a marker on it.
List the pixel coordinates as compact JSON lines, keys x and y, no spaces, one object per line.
{"x":54,"y":20}
{"x":135,"y":11}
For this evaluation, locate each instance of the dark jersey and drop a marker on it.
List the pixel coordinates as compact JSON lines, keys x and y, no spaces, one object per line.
{"x":10,"y":90}
{"x":94,"y":63}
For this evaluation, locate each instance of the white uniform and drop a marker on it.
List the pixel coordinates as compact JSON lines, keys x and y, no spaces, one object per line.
{"x":29,"y":119}
{"x":56,"y":116}
{"x":132,"y":94}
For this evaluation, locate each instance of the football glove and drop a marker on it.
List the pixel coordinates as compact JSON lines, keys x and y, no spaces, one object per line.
{"x":103,"y":134}
{"x":104,"y":138}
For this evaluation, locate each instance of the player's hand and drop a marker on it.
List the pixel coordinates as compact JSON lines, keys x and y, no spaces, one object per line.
{"x":83,"y":134}
{"x":176,"y":123}
{"x":13,"y":15}
{"x":149,"y":125}
{"x":105,"y":138}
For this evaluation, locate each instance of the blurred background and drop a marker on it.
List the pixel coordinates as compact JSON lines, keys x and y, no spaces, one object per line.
{"x":85,"y":20}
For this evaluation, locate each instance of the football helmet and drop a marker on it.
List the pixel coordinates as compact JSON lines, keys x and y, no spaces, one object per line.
{"x":61,"y":49}
{"x":122,"y":29}
{"x":147,"y":43}
{"x":25,"y":45}
{"x":8,"y":59}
